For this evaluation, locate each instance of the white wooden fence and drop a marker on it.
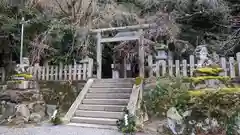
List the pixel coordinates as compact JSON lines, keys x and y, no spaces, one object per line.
{"x":84,"y":70}
{"x":230,"y":65}
{"x":81,"y":71}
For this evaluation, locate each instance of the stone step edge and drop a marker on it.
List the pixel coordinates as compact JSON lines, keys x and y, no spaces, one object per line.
{"x":92,"y":126}
{"x":108,"y":95}
{"x":113,"y":93}
{"x":92,"y":111}
{"x":103,"y":106}
{"x":94,"y":118}
{"x":124,"y":88}
{"x":105,"y":100}
{"x":105,"y":120}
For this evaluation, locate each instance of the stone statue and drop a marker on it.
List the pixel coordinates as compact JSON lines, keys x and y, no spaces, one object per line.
{"x":175,"y":121}
{"x":202,"y":55}
{"x":24,"y":67}
{"x":204,"y":58}
{"x":20,"y":68}
{"x":207,"y":60}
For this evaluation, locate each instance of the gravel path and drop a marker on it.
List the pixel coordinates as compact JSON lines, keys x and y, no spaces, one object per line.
{"x":58,"y":130}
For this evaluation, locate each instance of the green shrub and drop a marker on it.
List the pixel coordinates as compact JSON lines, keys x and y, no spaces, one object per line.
{"x":56,"y":121}
{"x":172,"y":92}
{"x":53,"y":91}
{"x":138,"y":80}
{"x":167,"y":93}
{"x":232,"y":125}
{"x":218,"y":106}
{"x":130,"y":128}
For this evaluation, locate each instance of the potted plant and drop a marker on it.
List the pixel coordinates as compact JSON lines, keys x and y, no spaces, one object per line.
{"x":127,"y":125}
{"x":22,"y":80}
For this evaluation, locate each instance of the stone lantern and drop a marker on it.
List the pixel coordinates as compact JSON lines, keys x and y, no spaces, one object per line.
{"x":161,"y":52}
{"x":161,"y":55}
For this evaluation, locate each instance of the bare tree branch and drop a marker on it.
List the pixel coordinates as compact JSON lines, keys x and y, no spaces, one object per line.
{"x":59,"y":5}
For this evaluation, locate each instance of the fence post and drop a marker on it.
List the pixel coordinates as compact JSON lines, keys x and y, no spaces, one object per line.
{"x":84,"y":70}
{"x":158,"y":69}
{"x":3,"y":74}
{"x":51,"y":73}
{"x":35,"y":70}
{"x":223,"y":65}
{"x":192,"y":65}
{"x":150,"y":63}
{"x":238,"y":63}
{"x":164,"y":65}
{"x":177,"y":67}
{"x":79,"y":72}
{"x":56,"y":73}
{"x":90,"y":67}
{"x":170,"y":67}
{"x":70,"y":72}
{"x":39,"y":72}
{"x":65,"y":72}
{"x":231,"y":66}
{"x":60,"y":71}
{"x":43,"y":72}
{"x":74,"y":71}
{"x":47,"y":72}
{"x":184,"y":67}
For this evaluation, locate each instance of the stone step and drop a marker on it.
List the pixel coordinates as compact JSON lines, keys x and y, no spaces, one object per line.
{"x":106,"y":101}
{"x":110,"y":90}
{"x":88,"y":120}
{"x":99,"y":114}
{"x":112,"y":108}
{"x":93,"y":126}
{"x":112,"y":85}
{"x":128,"y":80}
{"x":107,"y":96}
{"x":111,"y":81}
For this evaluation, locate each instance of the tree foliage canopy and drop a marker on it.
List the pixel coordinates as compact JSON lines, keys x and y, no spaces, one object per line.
{"x":58,"y":29}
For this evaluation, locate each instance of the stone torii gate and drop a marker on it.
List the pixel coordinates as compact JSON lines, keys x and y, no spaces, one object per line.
{"x":139,"y":37}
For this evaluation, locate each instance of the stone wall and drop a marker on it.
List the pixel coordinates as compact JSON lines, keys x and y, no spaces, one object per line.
{"x":68,"y":90}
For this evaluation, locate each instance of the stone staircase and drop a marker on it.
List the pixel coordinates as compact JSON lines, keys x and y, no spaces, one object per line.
{"x":102,"y":104}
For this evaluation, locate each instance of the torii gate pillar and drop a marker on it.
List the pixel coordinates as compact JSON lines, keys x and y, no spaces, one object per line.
{"x":99,"y":56}
{"x":141,"y":53}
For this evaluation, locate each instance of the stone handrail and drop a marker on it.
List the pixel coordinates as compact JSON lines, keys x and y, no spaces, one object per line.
{"x":78,"y":101}
{"x":135,"y":99}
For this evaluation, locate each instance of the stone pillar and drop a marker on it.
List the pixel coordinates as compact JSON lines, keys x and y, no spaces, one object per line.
{"x":99,"y":56}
